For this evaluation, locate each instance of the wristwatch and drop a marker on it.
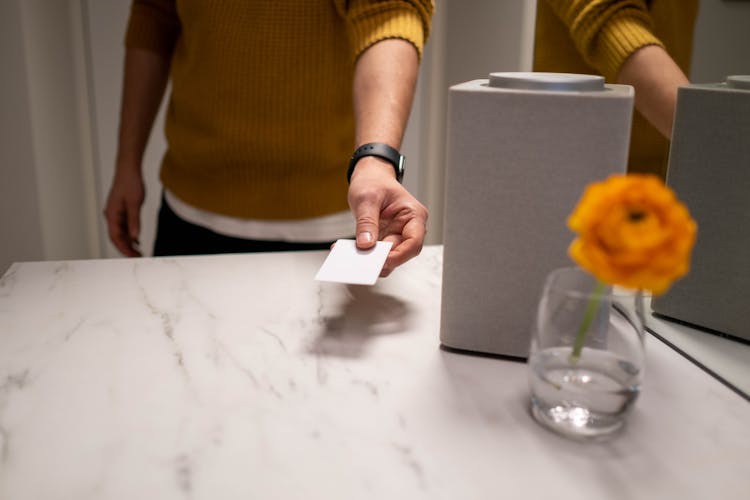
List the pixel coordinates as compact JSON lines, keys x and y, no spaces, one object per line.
{"x":381,"y":150}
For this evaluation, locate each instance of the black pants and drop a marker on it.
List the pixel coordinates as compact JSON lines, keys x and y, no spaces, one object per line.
{"x":175,"y":236}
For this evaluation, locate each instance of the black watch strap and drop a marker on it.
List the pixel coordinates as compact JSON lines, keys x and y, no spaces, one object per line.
{"x":381,"y":150}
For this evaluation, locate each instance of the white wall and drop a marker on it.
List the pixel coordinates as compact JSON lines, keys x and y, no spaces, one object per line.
{"x":20,"y":230}
{"x":47,"y":180}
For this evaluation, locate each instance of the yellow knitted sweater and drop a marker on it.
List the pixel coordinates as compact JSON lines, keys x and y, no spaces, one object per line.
{"x":260,"y":120}
{"x":597,"y":36}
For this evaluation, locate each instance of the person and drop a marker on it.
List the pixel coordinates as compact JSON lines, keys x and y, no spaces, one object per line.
{"x":267,"y":102}
{"x":643,"y":43}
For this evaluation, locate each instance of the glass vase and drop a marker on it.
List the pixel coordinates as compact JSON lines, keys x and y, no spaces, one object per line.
{"x":586,"y":362}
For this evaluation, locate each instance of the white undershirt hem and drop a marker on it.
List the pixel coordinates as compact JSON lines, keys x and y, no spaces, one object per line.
{"x":313,"y":230}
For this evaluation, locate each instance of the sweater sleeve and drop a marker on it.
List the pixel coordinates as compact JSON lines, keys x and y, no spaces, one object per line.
{"x":370,"y":21}
{"x":153,"y":25}
{"x":607,"y":32}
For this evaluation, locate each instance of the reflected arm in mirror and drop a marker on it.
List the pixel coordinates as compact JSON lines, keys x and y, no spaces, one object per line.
{"x":656,"y":78}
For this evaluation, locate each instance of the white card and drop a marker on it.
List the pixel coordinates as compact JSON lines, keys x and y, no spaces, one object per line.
{"x":347,"y":264}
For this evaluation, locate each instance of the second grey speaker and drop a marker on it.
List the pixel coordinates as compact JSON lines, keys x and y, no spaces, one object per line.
{"x":709,"y":169}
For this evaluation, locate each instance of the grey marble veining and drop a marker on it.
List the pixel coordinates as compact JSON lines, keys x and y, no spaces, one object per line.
{"x":241,"y":377}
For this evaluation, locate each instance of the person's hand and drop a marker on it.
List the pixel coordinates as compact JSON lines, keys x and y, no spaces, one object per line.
{"x":122,"y":211}
{"x":385,"y":210}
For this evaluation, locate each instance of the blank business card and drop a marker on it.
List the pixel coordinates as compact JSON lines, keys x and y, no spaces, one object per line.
{"x":347,"y":264}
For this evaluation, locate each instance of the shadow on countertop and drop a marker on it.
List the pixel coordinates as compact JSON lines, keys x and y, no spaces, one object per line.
{"x":366,"y":314}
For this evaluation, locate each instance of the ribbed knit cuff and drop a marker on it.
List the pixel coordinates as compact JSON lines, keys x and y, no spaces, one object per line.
{"x":405,"y":24}
{"x":151,"y":28}
{"x":618,"y":40}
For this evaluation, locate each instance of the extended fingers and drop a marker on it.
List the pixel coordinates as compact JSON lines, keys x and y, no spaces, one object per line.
{"x":406,"y":245}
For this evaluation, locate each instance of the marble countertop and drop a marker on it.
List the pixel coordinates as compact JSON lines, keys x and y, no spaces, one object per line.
{"x":726,"y":358}
{"x":240,"y":376}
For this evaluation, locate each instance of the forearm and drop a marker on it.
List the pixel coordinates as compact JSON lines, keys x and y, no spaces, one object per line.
{"x":385,"y":77}
{"x":145,"y":80}
{"x":655,"y":77}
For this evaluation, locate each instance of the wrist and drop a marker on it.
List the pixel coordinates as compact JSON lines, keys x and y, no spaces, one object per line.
{"x":127,"y":165}
{"x":128,"y":173}
{"x":371,"y":167}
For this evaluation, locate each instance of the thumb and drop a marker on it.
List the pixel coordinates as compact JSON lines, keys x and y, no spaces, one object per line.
{"x":367,"y":216}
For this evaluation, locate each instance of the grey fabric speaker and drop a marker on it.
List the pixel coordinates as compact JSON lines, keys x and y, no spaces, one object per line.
{"x":709,"y":169}
{"x":521,"y":149}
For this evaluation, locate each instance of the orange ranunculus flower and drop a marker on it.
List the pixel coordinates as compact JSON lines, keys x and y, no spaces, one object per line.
{"x":633,"y":232}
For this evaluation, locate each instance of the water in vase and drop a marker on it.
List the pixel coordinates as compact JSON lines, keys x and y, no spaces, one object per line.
{"x":588,"y":398}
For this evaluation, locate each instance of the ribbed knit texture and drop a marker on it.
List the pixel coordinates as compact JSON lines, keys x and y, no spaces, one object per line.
{"x":597,"y":36}
{"x":260,"y":120}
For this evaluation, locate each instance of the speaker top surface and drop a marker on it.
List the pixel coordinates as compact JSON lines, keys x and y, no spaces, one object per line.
{"x":546,"y":81}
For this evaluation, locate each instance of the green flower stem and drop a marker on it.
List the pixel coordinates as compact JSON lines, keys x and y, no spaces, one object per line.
{"x":588,"y":317}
